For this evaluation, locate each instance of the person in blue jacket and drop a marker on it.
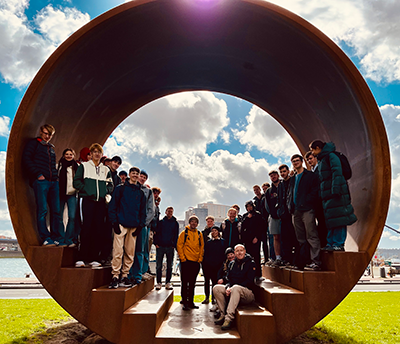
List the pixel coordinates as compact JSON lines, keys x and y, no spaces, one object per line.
{"x":127,"y":214}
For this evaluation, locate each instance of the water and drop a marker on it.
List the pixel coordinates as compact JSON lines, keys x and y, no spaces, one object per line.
{"x":14,"y":268}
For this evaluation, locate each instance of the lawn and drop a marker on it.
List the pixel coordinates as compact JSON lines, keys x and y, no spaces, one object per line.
{"x":361,"y":318}
{"x":21,"y":318}
{"x":365,"y":317}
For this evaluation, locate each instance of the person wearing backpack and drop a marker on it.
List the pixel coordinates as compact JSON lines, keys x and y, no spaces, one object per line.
{"x":190,"y":249}
{"x":334,"y":170}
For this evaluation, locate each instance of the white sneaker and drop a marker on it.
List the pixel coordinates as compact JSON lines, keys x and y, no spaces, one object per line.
{"x":168,"y":286}
{"x":94,"y":264}
{"x":213,"y":308}
{"x":79,"y":264}
{"x":158,"y":286}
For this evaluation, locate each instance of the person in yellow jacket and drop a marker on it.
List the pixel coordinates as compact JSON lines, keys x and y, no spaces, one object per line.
{"x":190,"y":248}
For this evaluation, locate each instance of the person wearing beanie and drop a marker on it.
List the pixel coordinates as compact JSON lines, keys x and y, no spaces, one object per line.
{"x":84,"y":155}
{"x":252,"y":225}
{"x":214,"y":255}
{"x":190,"y":249}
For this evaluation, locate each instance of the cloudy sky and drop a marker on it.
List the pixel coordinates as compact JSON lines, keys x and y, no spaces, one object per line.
{"x":206,"y":146}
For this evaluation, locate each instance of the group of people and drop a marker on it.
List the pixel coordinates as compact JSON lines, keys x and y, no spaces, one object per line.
{"x":292,"y":218}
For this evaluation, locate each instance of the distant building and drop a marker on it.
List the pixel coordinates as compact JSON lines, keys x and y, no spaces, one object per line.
{"x":203,"y":210}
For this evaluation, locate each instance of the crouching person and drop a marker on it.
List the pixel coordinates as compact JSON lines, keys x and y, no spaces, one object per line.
{"x":127,"y":213}
{"x":241,"y":274}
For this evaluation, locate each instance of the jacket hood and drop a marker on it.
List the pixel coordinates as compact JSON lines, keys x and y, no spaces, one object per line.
{"x":246,"y":258}
{"x":173,"y":218}
{"x":328,"y":148}
{"x":43,"y":142}
{"x":136,"y":186}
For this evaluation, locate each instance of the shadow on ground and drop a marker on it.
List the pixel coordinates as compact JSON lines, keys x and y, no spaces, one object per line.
{"x":75,"y":333}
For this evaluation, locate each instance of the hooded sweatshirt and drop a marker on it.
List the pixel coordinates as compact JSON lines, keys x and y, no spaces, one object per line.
{"x":193,"y":248}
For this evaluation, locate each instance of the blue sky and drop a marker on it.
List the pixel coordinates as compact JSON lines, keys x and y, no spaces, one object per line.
{"x":228,"y":153}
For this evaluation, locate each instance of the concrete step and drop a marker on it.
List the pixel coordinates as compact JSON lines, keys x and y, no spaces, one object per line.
{"x":148,"y":313}
{"x":110,"y":304}
{"x":255,"y":324}
{"x":275,"y":296}
{"x":195,"y":326}
{"x":293,"y":278}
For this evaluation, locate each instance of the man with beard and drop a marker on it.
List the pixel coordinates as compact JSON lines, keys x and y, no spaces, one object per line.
{"x":240,"y":282}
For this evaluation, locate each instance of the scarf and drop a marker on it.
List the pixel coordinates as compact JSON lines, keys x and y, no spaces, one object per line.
{"x":62,"y":174}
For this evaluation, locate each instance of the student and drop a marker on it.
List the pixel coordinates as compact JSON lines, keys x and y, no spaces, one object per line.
{"x":114,"y":164}
{"x":241,"y":273}
{"x":301,"y":199}
{"x":252,"y":225}
{"x":141,"y":263}
{"x":156,"y":219}
{"x":267,"y":239}
{"x":235,"y":206}
{"x":123,"y":176}
{"x":127,"y":214}
{"x":93,"y":181}
{"x":67,"y":168}
{"x":319,"y":210}
{"x":165,"y":238}
{"x":289,"y":243}
{"x":214,"y":255}
{"x":231,"y":228}
{"x":336,"y":202}
{"x":40,"y":161}
{"x":207,"y":229}
{"x":190,"y":248}
{"x":274,"y":222}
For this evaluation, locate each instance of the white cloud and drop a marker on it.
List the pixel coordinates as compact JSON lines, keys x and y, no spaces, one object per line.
{"x":23,"y":50}
{"x":386,"y":234}
{"x":266,"y":134}
{"x":390,"y":114}
{"x":4,"y":125}
{"x":5,"y":221}
{"x":226,"y":137}
{"x":184,"y":122}
{"x":369,"y":27}
{"x":58,"y":24}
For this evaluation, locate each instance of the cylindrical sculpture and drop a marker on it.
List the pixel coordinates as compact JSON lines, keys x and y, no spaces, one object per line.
{"x":145,"y":49}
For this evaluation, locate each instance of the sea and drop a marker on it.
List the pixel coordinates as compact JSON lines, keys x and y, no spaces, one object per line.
{"x":15,"y":268}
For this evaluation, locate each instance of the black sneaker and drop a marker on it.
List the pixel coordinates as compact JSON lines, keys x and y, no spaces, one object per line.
{"x":312,"y":267}
{"x":114,"y":283}
{"x":125,"y":283}
{"x":337,"y":248}
{"x":192,"y":306}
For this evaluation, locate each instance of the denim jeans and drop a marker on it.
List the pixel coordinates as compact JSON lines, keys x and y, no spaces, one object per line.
{"x":71,"y":201}
{"x":48,"y":193}
{"x":337,"y":236}
{"x":141,"y":262}
{"x":160,"y":252}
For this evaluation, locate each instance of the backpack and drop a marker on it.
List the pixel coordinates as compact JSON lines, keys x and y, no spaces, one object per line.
{"x":186,"y":235}
{"x":346,"y":168}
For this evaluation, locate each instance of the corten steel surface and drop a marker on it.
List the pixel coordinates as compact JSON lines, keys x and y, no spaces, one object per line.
{"x":144,"y":50}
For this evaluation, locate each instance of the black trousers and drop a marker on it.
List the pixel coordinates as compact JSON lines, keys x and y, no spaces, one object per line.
{"x":254,"y":251}
{"x":189,"y":272}
{"x":210,"y":274}
{"x":94,"y":231}
{"x":289,"y":243}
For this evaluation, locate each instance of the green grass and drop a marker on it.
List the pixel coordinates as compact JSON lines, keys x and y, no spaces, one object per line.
{"x":372,"y":318}
{"x":21,"y":318}
{"x":364,"y":317}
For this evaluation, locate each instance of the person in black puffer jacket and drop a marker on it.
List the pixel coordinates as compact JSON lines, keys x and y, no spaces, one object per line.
{"x":214,"y":255}
{"x":252,"y":226}
{"x":40,"y":162}
{"x":241,"y":274}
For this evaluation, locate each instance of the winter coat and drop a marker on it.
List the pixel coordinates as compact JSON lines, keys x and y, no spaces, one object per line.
{"x":307,"y":192}
{"x":242,"y":272}
{"x":214,"y":252}
{"x":128,"y":206}
{"x":93,"y":182}
{"x":167,"y":231}
{"x":252,"y":227}
{"x":150,"y":208}
{"x":335,"y":195}
{"x":231,"y":232}
{"x":271,"y":201}
{"x":193,"y":248}
{"x":39,"y":159}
